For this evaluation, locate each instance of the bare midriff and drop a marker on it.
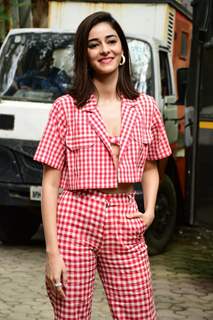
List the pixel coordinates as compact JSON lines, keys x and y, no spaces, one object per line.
{"x":122,"y":187}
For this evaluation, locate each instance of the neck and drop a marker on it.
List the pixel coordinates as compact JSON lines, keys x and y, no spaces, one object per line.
{"x":106,"y":86}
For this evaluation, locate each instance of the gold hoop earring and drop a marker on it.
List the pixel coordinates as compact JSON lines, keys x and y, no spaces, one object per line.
{"x":123,"y":60}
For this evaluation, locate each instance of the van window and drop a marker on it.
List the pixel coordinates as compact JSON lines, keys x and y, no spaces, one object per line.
{"x":141,"y":65}
{"x":36,"y":66}
{"x":166,"y":85}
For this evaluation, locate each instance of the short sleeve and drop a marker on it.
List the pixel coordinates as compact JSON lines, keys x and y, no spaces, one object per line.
{"x":159,"y":147}
{"x":51,"y":148}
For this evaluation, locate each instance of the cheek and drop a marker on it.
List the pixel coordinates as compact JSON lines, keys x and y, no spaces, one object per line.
{"x":119,"y":57}
{"x":119,"y":48}
{"x":90,"y":56}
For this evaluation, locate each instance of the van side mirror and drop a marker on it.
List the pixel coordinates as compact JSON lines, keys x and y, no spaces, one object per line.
{"x":182,"y":80}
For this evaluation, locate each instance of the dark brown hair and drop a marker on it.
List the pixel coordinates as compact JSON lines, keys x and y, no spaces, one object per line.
{"x":83,"y":86}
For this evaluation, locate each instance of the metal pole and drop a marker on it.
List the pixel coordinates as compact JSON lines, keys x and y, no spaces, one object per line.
{"x":195,"y":137}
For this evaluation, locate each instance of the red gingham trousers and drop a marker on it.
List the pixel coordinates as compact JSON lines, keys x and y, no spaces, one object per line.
{"x":94,"y":233}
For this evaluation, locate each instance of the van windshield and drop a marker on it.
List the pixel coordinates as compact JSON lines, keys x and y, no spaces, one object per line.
{"x":39,"y":66}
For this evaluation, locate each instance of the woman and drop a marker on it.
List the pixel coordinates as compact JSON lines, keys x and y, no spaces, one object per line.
{"x":99,"y":141}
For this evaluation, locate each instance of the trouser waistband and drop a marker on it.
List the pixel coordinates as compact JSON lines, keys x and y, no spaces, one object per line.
{"x":109,"y":197}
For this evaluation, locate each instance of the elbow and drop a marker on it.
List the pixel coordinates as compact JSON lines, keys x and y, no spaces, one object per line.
{"x":51,"y":178}
{"x":150,"y":165}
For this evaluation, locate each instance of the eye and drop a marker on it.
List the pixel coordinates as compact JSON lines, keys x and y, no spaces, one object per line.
{"x":92,"y":45}
{"x":113,"y":41}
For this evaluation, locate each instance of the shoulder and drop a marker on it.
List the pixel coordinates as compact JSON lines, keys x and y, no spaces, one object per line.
{"x":64,"y":102}
{"x":63,"y":106}
{"x":147,"y":108}
{"x":146,"y":103}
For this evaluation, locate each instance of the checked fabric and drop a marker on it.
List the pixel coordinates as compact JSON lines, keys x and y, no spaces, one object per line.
{"x":76,"y":142}
{"x":95,"y":234}
{"x":92,"y":228}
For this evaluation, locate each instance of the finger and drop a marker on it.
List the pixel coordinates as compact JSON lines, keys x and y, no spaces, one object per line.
{"x":145,"y":224}
{"x":60,"y":293}
{"x":48,"y":281}
{"x":53,"y":284}
{"x":134,"y":215}
{"x":58,"y":289}
{"x":50,"y":285}
{"x":64,"y":277}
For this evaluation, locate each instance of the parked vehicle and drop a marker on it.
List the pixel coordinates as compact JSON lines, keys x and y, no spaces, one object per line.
{"x":35,"y":68}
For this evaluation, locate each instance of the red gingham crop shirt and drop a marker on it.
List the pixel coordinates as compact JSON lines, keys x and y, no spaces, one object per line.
{"x":76,"y":142}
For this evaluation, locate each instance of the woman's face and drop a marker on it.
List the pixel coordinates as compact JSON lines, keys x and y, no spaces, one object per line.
{"x":104,"y":49}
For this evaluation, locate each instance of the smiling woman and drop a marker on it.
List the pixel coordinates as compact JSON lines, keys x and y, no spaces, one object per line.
{"x":104,"y":49}
{"x":110,"y":44}
{"x":99,"y":141}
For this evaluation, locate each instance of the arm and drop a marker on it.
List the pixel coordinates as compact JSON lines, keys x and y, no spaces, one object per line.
{"x":55,"y":268}
{"x":51,"y":152}
{"x":150,"y":183}
{"x":50,"y":186}
{"x":158,"y":148}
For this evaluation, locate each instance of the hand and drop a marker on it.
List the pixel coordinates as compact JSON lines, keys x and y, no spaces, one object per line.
{"x":147,"y":217}
{"x":56,"y":273}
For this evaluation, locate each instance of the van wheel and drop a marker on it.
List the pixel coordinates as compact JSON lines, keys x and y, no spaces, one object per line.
{"x":163,"y":226}
{"x":18,"y":224}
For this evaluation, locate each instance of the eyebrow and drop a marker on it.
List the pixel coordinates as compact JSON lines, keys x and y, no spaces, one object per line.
{"x":107,"y":37}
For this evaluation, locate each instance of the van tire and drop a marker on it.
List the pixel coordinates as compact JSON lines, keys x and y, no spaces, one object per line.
{"x":18,"y":224}
{"x":160,"y":232}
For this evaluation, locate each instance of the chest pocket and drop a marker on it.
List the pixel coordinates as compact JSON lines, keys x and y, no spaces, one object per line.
{"x":142,"y":136}
{"x":80,"y":134}
{"x":81,"y":141}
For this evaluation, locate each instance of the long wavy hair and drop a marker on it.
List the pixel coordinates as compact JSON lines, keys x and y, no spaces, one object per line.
{"x":83,"y":85}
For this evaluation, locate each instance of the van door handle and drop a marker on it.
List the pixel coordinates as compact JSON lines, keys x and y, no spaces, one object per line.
{"x":7,"y":121}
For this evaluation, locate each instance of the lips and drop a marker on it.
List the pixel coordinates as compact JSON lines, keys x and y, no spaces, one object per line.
{"x":105,"y":60}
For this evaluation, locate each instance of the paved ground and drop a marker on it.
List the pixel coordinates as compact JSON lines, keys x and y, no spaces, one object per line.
{"x":182,"y":279}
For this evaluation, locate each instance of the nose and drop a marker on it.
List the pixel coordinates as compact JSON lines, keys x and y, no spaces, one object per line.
{"x":104,"y":48}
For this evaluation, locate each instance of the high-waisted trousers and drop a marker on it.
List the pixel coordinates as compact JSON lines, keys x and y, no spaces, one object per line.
{"x":94,"y":233}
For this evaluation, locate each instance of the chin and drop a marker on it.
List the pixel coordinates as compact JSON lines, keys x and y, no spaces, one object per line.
{"x":106,"y":71}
